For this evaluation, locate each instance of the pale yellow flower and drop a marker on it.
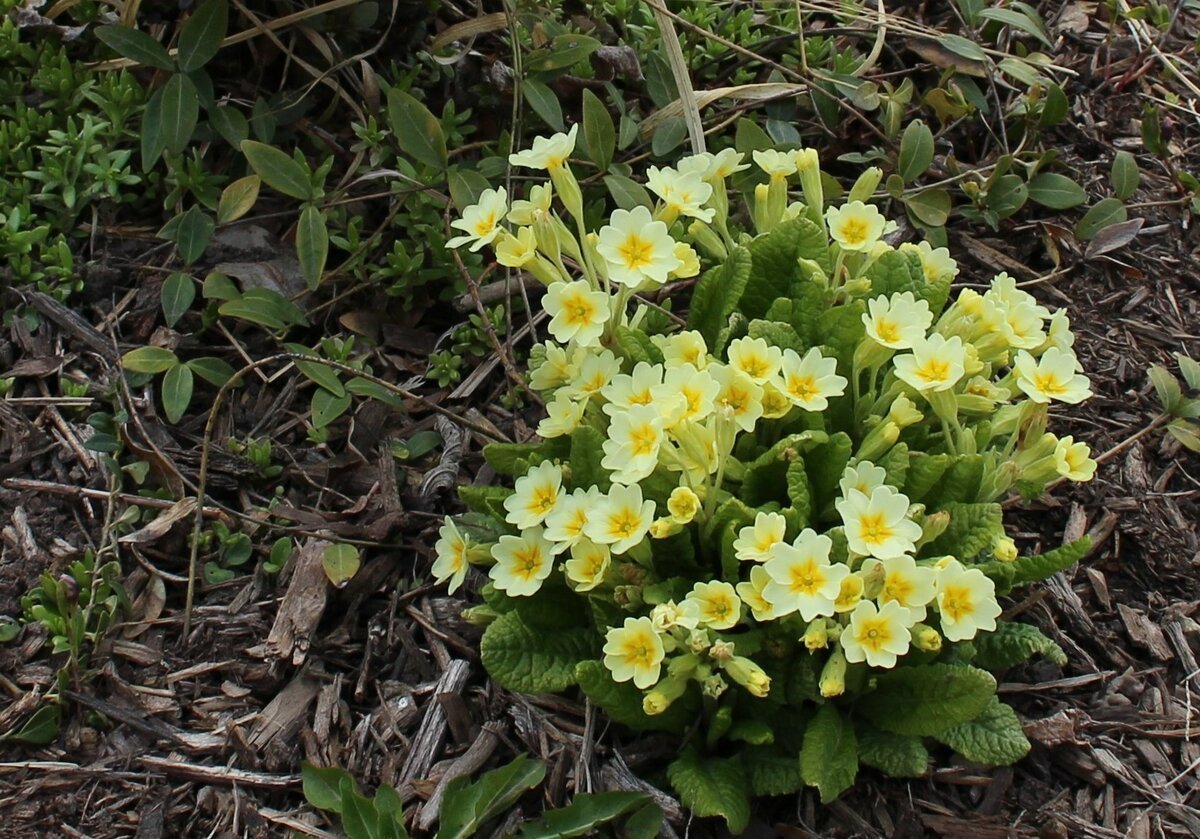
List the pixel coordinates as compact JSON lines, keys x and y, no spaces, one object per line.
{"x":755,"y":357}
{"x":1053,"y":377}
{"x":878,"y":525}
{"x":715,"y":605}
{"x":754,"y":542}
{"x":634,"y":651}
{"x":588,"y":564}
{"x":810,"y":382}
{"x":529,"y":212}
{"x":563,"y":415}
{"x":684,"y":193}
{"x":739,"y":394}
{"x":682,"y":348}
{"x":936,"y":263}
{"x":595,"y":373}
{"x":451,"y":551}
{"x":637,"y":249}
{"x":855,"y":226}
{"x":535,"y":496}
{"x":683,"y":504}
{"x":864,"y":476}
{"x":576,"y":312}
{"x":549,"y":153}
{"x":565,"y":524}
{"x":934,"y":365}
{"x":966,"y":600}
{"x":635,"y":436}
{"x":522,"y":563}
{"x":802,"y":577}
{"x":751,"y":593}
{"x":517,"y":251}
{"x":558,"y":367}
{"x":876,"y":635}
{"x":906,"y":583}
{"x":898,"y":322}
{"x":620,"y":519}
{"x":481,"y":221}
{"x":1073,"y":460}
{"x":696,"y":391}
{"x":777,"y":164}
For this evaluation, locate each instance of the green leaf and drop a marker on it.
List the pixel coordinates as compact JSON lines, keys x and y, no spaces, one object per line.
{"x":41,"y":728}
{"x":149,"y":360}
{"x":776,"y":271}
{"x":467,"y":806}
{"x":627,"y":193}
{"x":829,"y":758}
{"x":192,"y":233}
{"x":544,"y":102}
{"x":278,"y":171}
{"x":716,"y":295}
{"x":916,"y":151}
{"x":201,"y":36}
{"x":1187,"y":433}
{"x":341,"y":563}
{"x":896,"y":755}
{"x":586,"y":453}
{"x":668,"y":136}
{"x":994,"y":737}
{"x":1006,"y":195}
{"x":927,"y":699}
{"x":238,"y":198}
{"x":562,"y":52}
{"x":898,"y":271}
{"x":599,"y":134}
{"x":1054,"y":107}
{"x":180,"y":110}
{"x":485,"y":499}
{"x":418,"y":132}
{"x":712,"y":786}
{"x":230,"y":123}
{"x":773,"y":771}
{"x":1058,"y":192}
{"x":1190,"y":369}
{"x":962,"y":47}
{"x":973,"y":529}
{"x":505,"y":457}
{"x":1014,"y":643}
{"x":177,"y":391}
{"x":930,"y":206}
{"x":1126,"y":177}
{"x":312,"y":245}
{"x":1017,"y":20}
{"x":1166,"y":387}
{"x":523,"y":659}
{"x":466,"y":185}
{"x":1105,"y":212}
{"x":1032,"y":569}
{"x":265,"y":307}
{"x":636,"y":346}
{"x":152,"y":143}
{"x":136,"y":46}
{"x":325,"y":407}
{"x":584,"y":814}
{"x":322,"y":786}
{"x":359,"y":816}
{"x":178,"y":294}
{"x":622,"y":702}
{"x":213,"y":370}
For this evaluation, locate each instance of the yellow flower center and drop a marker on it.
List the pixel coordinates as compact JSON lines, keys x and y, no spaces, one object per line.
{"x":934,"y":370}
{"x":643,"y":440}
{"x":897,"y":588}
{"x":636,"y":252}
{"x":755,"y":368}
{"x":735,"y":399}
{"x":854,"y":231}
{"x":875,"y":529}
{"x":888,"y":331}
{"x":580,"y":311}
{"x":544,"y":499}
{"x":485,"y":224}
{"x":874,"y":634}
{"x":806,"y":579}
{"x":957,"y":602}
{"x":623,"y":524}
{"x":644,"y":397}
{"x":528,"y":563}
{"x":802,"y":388}
{"x":1048,"y":384}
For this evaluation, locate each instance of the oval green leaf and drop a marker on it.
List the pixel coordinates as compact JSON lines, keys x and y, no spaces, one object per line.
{"x":1058,"y":192}
{"x":312,"y":244}
{"x":136,"y":46}
{"x":177,"y":391}
{"x":931,"y":207}
{"x":230,"y":123}
{"x":1105,"y":212}
{"x":213,"y":370}
{"x":201,"y":35}
{"x":599,"y":133}
{"x":326,"y":407}
{"x":341,"y":563}
{"x":180,"y":110}
{"x":418,"y":132}
{"x":916,"y":151}
{"x":178,"y":294}
{"x":238,"y":198}
{"x":193,"y":234}
{"x":149,"y":360}
{"x":544,"y":103}
{"x":1126,"y":177}
{"x":277,"y":170}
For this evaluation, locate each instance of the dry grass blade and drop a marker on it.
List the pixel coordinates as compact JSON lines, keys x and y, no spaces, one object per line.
{"x":683,"y":78}
{"x":764,"y":92}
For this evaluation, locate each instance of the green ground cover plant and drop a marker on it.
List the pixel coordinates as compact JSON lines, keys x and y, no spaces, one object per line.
{"x":780,"y":517}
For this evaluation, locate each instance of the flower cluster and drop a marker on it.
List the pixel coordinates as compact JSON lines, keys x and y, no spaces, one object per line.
{"x":814,"y":467}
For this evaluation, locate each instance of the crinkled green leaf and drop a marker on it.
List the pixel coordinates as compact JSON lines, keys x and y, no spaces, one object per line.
{"x":960,"y":482}
{"x":636,"y":346}
{"x":504,"y":457}
{"x":899,"y":271}
{"x":994,"y":737}
{"x":799,"y":492}
{"x":773,"y":771}
{"x":829,"y":758}
{"x":896,"y":755}
{"x":778,"y":334}
{"x":1013,"y":643}
{"x":712,"y":786}
{"x":775,"y":268}
{"x":622,"y":702}
{"x":766,"y":476}
{"x":716,"y":296}
{"x":586,"y":453}
{"x":524,"y":659}
{"x":1031,"y":569}
{"x":924,"y":471}
{"x":973,"y":529}
{"x":485,"y":499}
{"x":927,"y":699}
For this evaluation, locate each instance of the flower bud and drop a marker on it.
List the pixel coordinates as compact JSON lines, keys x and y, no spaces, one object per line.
{"x":878,"y":441}
{"x":816,"y":637}
{"x":708,"y":240}
{"x":749,"y":675}
{"x":721,"y":651}
{"x":568,"y":191}
{"x":662,"y":528}
{"x":865,"y":186}
{"x":660,"y":697}
{"x":1005,"y":549}
{"x":904,"y":412}
{"x":628,"y":597}
{"x":480,"y":615}
{"x":933,"y":526}
{"x":925,"y":638}
{"x":714,"y":686}
{"x":762,"y":218}
{"x":833,"y":675}
{"x":683,"y":504}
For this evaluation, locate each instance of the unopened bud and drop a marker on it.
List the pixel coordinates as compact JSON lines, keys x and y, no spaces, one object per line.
{"x":708,"y":240}
{"x":865,"y":186}
{"x":833,"y":675}
{"x":850,"y":593}
{"x":925,"y":638}
{"x":749,"y":675}
{"x":816,"y":637}
{"x":1005,"y":549}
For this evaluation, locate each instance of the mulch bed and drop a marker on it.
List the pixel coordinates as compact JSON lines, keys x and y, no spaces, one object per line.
{"x":202,"y":733}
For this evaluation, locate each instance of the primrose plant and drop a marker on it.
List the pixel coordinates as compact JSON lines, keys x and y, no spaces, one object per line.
{"x":781,"y":517}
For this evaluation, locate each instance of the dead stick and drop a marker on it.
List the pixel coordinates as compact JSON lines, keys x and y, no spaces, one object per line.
{"x":85,"y":492}
{"x":428,"y":739}
{"x":467,"y":763}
